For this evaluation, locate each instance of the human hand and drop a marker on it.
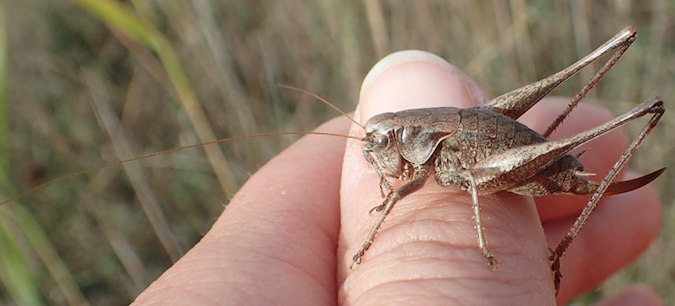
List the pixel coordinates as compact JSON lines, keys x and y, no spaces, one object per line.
{"x":288,"y":237}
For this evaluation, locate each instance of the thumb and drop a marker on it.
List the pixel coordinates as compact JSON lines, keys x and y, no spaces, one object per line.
{"x":427,"y":247}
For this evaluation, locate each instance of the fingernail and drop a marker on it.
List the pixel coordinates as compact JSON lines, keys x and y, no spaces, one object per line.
{"x":415,"y":79}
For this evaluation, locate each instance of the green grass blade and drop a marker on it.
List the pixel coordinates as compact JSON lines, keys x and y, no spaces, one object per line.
{"x":14,"y":271}
{"x":122,"y":19}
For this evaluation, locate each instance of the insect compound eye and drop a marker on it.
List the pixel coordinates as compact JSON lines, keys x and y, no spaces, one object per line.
{"x":382,"y":141}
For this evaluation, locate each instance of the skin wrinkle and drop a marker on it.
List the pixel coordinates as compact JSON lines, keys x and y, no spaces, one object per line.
{"x":395,"y":245}
{"x":412,"y":215}
{"x":280,"y":259}
{"x":280,"y":217}
{"x":427,"y":234}
{"x":435,"y":260}
{"x":170,"y":290}
{"x":402,"y":222}
{"x":460,"y":293}
{"x":279,"y":270}
{"x":468,"y":258}
{"x":426,"y":263}
{"x":275,"y":269}
{"x":185,"y":275}
{"x":281,"y":276}
{"x":251,"y":205}
{"x":242,"y":279}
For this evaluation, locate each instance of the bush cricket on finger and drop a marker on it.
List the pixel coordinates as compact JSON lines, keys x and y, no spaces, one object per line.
{"x":484,"y":150}
{"x":533,"y":163}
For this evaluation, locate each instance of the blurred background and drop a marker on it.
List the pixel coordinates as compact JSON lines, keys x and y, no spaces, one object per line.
{"x":88,"y":82}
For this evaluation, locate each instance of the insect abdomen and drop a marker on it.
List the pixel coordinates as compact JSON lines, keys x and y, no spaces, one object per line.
{"x":484,"y":133}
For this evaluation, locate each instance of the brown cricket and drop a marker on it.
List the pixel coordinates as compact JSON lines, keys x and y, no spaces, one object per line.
{"x":484,"y":150}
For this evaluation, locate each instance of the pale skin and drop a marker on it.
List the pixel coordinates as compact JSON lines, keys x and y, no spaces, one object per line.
{"x":288,"y":236}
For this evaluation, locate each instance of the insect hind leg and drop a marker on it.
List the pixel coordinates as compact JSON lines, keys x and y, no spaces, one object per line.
{"x":653,"y":106}
{"x":482,"y":242}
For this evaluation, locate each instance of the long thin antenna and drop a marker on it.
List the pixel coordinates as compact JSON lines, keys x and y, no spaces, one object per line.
{"x":322,"y":100}
{"x":21,"y":195}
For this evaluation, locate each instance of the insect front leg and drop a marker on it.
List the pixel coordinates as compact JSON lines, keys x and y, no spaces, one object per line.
{"x":420,"y":177}
{"x":384,"y":183}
